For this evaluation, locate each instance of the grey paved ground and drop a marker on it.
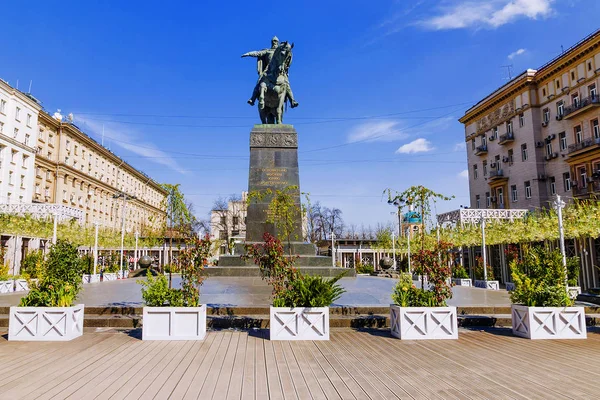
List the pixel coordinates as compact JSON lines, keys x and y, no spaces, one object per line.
{"x":362,"y":290}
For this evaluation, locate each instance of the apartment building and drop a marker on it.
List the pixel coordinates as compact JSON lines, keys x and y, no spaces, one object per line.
{"x":228,"y":223}
{"x":538,"y":135}
{"x":18,"y":123}
{"x":73,"y":169}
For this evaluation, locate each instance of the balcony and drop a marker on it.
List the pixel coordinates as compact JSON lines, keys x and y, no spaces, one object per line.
{"x":481,"y":150}
{"x":509,"y":137}
{"x":581,"y":106}
{"x":496,"y":174}
{"x":584,"y":146}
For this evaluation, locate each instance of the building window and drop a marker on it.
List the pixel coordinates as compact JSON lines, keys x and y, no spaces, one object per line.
{"x":10,"y":178}
{"x":475,"y":171}
{"x":3,"y":106}
{"x":575,"y":99}
{"x":527,"y":189}
{"x":68,"y":145}
{"x":583,"y":176}
{"x":15,"y":133}
{"x":514,"y":194}
{"x":64,"y":195}
{"x":549,"y":149}
{"x":22,"y":181}
{"x":567,"y":181}
{"x":521,"y":120}
{"x":483,"y":140}
{"x":546,"y":115}
{"x":500,"y":196}
{"x":552,"y":185}
{"x":592,"y":91}
{"x":495,"y":132}
{"x":1,"y":127}
{"x":18,"y":114}
{"x":562,"y":137}
{"x":477,"y":201}
{"x":596,"y":128}
{"x":509,"y":127}
{"x":497,"y":162}
{"x":560,"y":108}
{"x":13,"y":156}
{"x":572,"y":75}
{"x":524,"y":152}
{"x":29,"y":120}
{"x":41,"y":134}
{"x":488,"y":200}
{"x":24,"y":161}
{"x":510,"y":157}
{"x":485,"y":168}
{"x":223,"y":235}
{"x":38,"y":189}
{"x":26,"y":140}
{"x":544,"y":92}
{"x":589,"y":66}
{"x":578,"y":134}
{"x":473,"y":144}
{"x":235,"y":220}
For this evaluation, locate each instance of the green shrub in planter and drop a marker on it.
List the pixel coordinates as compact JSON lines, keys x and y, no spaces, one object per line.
{"x":539,"y":279}
{"x":61,"y":283}
{"x":364,"y":268}
{"x":459,"y":272}
{"x":33,"y":265}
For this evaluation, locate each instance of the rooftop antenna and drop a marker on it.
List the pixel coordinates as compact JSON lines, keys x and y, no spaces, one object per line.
{"x":30,"y":83}
{"x":508,"y":70}
{"x":562,"y":49}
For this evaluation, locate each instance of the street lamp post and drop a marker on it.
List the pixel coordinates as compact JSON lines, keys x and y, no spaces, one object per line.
{"x":333,"y":249}
{"x":135,"y":255}
{"x":394,"y":250}
{"x":125,"y":198}
{"x":559,"y":205}
{"x":55,"y":230}
{"x":96,"y":247}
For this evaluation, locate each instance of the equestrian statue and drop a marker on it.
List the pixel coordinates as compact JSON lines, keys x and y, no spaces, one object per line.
{"x":273,"y":87}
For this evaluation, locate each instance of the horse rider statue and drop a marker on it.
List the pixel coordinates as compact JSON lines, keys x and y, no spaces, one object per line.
{"x":262,"y":63}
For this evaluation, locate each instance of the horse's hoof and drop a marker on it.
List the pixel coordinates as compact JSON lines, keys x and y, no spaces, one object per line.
{"x":294,"y":104}
{"x":251,"y":102}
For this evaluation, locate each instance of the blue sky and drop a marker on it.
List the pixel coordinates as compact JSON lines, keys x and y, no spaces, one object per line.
{"x":380,"y":84}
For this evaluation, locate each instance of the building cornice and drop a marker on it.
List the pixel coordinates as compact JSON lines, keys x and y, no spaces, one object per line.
{"x":17,"y":144}
{"x":24,"y":97}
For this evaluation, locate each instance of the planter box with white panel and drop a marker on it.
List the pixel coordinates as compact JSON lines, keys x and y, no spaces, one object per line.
{"x":548,"y":322}
{"x":462,"y":282}
{"x":91,"y":278}
{"x":299,"y":323}
{"x":416,"y":323}
{"x":123,"y":274}
{"x":21,"y":285}
{"x":174,"y":323}
{"x":45,"y":323}
{"x":109,"y":276}
{"x":7,"y":286}
{"x":492,"y":285}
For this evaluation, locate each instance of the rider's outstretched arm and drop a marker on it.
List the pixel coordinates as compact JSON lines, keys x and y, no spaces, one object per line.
{"x":258,"y":53}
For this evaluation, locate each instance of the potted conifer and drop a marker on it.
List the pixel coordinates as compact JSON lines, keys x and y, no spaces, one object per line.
{"x":47,"y":312}
{"x":542,"y":307}
{"x":176,"y":313}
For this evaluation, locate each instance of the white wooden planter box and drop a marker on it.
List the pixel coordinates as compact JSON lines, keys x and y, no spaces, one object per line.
{"x":415,"y":323}
{"x":109,"y":276}
{"x":548,"y":322}
{"x":174,"y":323}
{"x":91,"y":278}
{"x":123,"y":274}
{"x":462,"y":282}
{"x":492,"y":285}
{"x":510,"y":286}
{"x":299,"y":323}
{"x":574,"y":291}
{"x":45,"y":323}
{"x":7,"y":286}
{"x":21,"y":285}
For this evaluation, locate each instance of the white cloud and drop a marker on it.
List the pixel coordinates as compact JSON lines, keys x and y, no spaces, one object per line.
{"x":464,"y":174}
{"x":516,"y":53}
{"x":460,"y":146}
{"x":416,"y":146}
{"x":129,"y":140}
{"x":381,"y":131}
{"x":487,"y":13}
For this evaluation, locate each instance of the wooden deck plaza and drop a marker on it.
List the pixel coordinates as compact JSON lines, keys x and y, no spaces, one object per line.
{"x":353,"y":365}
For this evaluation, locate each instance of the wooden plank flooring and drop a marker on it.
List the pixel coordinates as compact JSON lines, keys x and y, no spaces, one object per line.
{"x":352,"y":365}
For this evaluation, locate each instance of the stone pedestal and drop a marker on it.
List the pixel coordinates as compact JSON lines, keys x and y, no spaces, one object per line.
{"x":274,"y":165}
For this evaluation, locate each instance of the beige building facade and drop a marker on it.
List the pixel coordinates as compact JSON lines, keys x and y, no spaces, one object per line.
{"x":72,"y":169}
{"x":538,"y":135}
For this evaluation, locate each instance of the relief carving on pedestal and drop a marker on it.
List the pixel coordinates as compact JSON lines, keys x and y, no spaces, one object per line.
{"x":273,"y":140}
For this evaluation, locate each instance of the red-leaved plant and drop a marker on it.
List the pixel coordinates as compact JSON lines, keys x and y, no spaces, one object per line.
{"x":435,"y":264}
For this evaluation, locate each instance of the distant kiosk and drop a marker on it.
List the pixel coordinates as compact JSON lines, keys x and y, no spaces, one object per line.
{"x":411,"y":224}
